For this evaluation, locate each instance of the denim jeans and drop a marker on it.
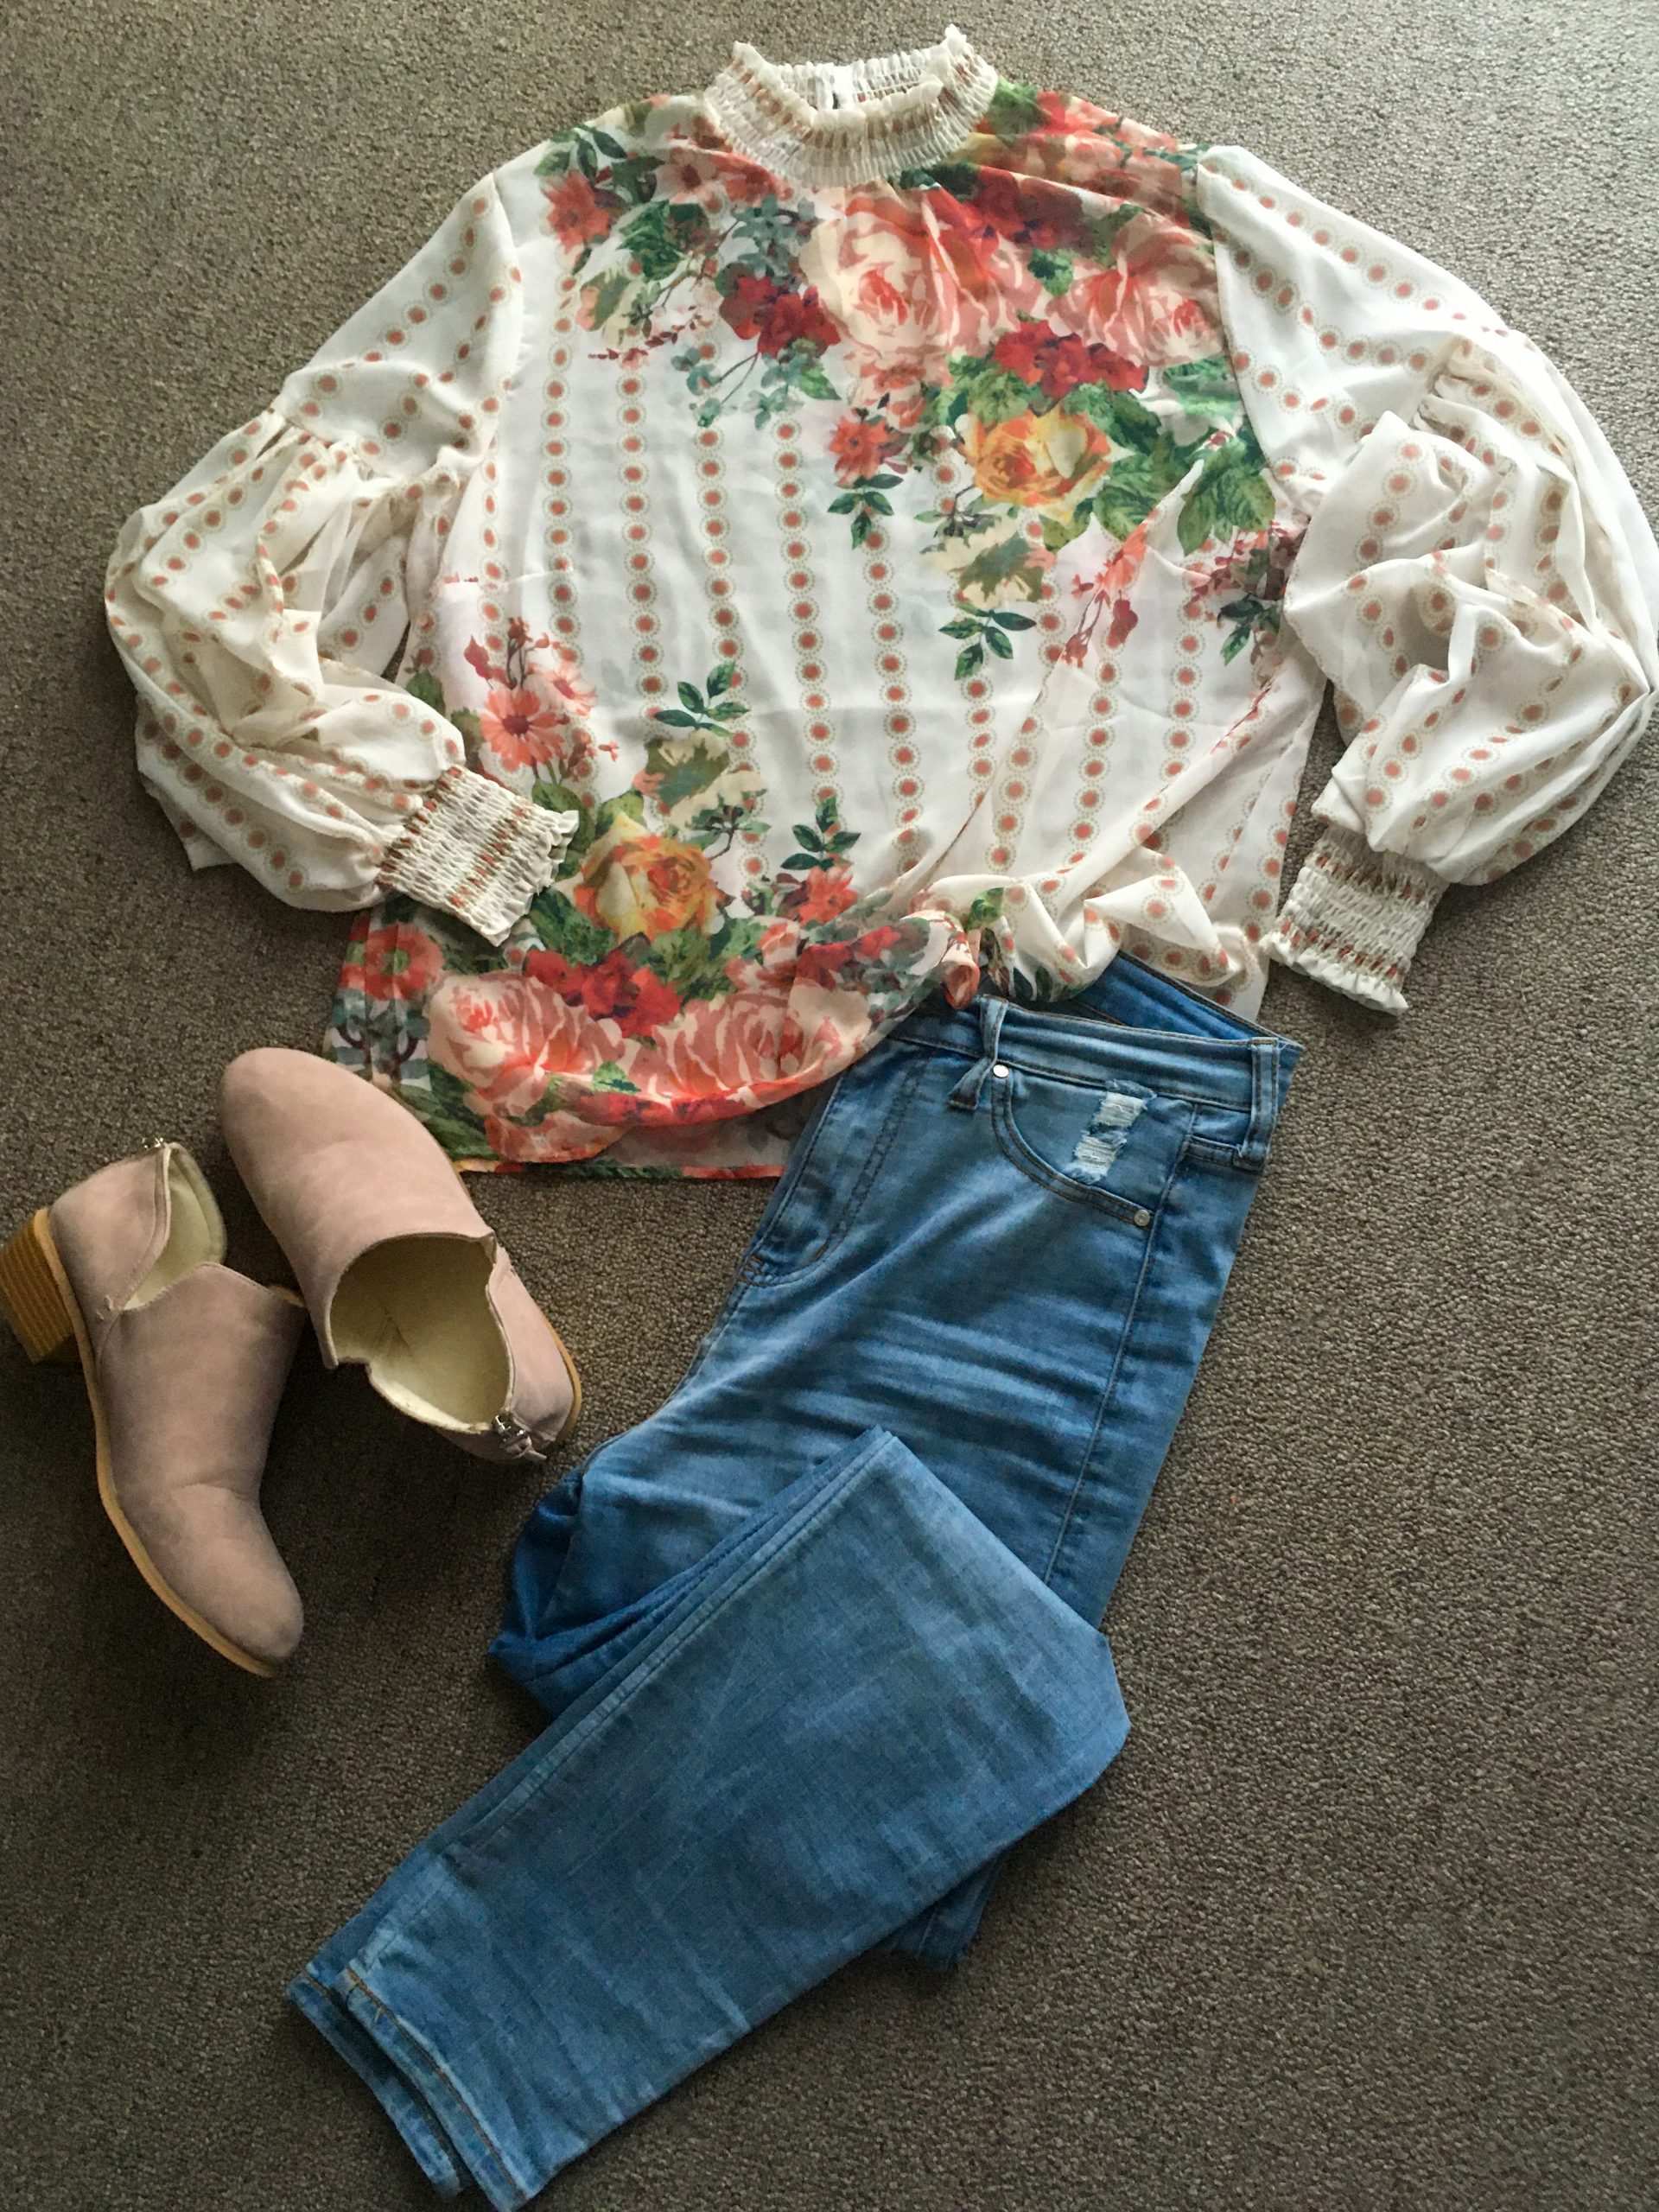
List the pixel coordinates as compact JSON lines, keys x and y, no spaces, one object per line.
{"x":819,"y":1639}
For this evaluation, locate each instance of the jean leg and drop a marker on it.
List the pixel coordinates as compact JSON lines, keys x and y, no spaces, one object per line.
{"x":865,"y":1697}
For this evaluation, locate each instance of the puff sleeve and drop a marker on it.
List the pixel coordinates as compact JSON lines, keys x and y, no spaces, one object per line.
{"x":1476,"y":577}
{"x":260,"y":604}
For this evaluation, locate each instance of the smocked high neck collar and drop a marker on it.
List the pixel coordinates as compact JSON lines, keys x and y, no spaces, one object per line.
{"x":834,"y":123}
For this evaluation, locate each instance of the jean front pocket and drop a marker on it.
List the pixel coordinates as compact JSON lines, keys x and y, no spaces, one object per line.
{"x":837,"y":1158}
{"x":1114,"y":1146}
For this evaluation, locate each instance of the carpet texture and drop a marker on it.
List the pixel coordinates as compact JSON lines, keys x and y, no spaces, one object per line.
{"x":1364,"y":1916}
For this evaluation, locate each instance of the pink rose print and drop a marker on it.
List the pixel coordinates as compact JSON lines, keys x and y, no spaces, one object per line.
{"x":1156,"y":304}
{"x":910,"y":287}
{"x":507,"y":1036}
{"x":721,"y":1050}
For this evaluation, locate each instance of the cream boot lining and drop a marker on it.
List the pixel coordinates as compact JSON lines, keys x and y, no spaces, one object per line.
{"x":195,"y":1229}
{"x":417,"y":1309}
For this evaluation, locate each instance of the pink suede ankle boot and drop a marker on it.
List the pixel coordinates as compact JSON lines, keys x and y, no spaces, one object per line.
{"x":400,"y":1270}
{"x":184,"y":1361}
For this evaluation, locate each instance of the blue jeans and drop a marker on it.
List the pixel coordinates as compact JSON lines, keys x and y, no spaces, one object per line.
{"x":818,"y":1637}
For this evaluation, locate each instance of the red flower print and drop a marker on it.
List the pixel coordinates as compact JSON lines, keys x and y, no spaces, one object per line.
{"x":862,"y":444}
{"x":477,"y":659}
{"x":909,"y":285}
{"x":712,"y":180}
{"x":796,"y":317}
{"x":507,"y":1037}
{"x":820,"y":964}
{"x":1058,"y":362}
{"x":520,"y":728}
{"x":1023,"y":352}
{"x":746,"y":302}
{"x":638,"y":1001}
{"x":875,"y":944}
{"x":1026,"y":208}
{"x":720,"y":1057}
{"x":756,"y":307}
{"x":576,"y":212}
{"x":639,"y":884}
{"x":399,"y":963}
{"x":821,"y":895}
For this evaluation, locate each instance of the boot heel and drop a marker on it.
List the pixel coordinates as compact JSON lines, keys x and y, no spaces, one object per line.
{"x":31,"y":1299}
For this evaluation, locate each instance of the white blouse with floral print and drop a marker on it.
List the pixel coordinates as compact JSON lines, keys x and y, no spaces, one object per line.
{"x":853,"y":531}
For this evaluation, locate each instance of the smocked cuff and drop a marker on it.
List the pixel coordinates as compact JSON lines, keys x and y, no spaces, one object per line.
{"x":1354,"y":917}
{"x":478,"y":850}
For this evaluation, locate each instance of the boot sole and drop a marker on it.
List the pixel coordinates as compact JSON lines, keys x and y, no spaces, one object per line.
{"x":36,"y":1300}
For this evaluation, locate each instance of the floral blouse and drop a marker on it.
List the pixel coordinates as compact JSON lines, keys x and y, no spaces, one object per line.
{"x":859,"y":530}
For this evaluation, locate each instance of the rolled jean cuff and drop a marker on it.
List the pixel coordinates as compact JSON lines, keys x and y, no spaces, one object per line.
{"x":428,"y":2145}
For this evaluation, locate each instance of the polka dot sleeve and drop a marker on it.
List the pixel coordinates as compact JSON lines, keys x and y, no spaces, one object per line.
{"x":1475,"y":576}
{"x":260,"y":604}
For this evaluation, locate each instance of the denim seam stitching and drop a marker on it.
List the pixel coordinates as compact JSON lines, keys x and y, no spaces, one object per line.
{"x":1213,"y":1152}
{"x":421,"y":2105}
{"x":1110,"y":1391}
{"x":800,"y":1159}
{"x":763,"y":1273}
{"x":1094,"y":1078}
{"x":1090,"y":1081}
{"x":391,"y":2013}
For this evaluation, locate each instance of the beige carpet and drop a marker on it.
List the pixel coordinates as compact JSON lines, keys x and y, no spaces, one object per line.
{"x":1365,"y":1917}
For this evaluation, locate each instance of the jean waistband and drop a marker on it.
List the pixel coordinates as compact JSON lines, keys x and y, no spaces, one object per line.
{"x":1130,"y":1023}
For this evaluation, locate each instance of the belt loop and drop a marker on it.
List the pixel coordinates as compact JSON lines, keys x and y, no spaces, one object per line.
{"x":1252,"y":1151}
{"x":965,"y":1097}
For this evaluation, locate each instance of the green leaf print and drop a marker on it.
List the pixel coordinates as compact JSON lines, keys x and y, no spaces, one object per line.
{"x":1231,"y":494}
{"x":564,"y":929}
{"x":558,"y":798}
{"x":993,"y":394}
{"x":661,"y":235}
{"x":561,"y":799}
{"x":1013,"y":111}
{"x":985,"y":910}
{"x":693,"y":966}
{"x":422,"y":684}
{"x":1100,"y":232}
{"x":709,"y":712}
{"x":959,"y":179}
{"x":1205,"y":388}
{"x":440,"y":1104}
{"x":1138,"y":483}
{"x":1054,"y":271}
{"x":631,"y":803}
{"x":678,"y":775}
{"x":811,"y":380}
{"x":606,"y":294}
{"x":608,"y":1076}
{"x":1126,"y":419}
{"x":1005,"y":566}
{"x":1059,"y":531}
